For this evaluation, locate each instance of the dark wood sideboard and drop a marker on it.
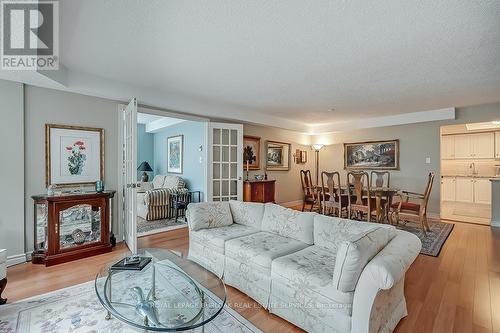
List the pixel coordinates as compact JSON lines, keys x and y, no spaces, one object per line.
{"x":259,"y":190}
{"x":71,"y":226}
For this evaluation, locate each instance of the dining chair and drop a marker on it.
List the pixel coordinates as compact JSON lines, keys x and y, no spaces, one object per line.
{"x":382,"y":179}
{"x":310,"y":191}
{"x":332,"y":202}
{"x":408,"y":211}
{"x":359,"y":196}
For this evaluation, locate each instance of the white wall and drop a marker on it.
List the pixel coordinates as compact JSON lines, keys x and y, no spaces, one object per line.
{"x":12,"y":170}
{"x":43,"y":106}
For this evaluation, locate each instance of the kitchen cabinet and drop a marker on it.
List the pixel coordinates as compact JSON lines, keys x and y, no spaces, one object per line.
{"x":476,"y":145}
{"x":448,"y":189}
{"x":462,"y":146}
{"x":464,"y":190}
{"x":497,"y":145}
{"x":482,"y":191}
{"x":448,"y":147}
{"x":483,"y":145}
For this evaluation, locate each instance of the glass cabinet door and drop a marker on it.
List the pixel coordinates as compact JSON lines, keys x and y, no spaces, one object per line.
{"x":41,"y":220}
{"x":79,"y":225}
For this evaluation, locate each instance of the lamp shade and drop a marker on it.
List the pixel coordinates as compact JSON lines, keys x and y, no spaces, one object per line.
{"x":317,"y":146}
{"x":144,"y":167}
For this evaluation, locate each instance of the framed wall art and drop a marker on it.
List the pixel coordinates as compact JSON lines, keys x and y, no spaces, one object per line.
{"x":251,"y":144}
{"x":73,"y":155}
{"x":277,"y":156}
{"x":175,"y":154}
{"x":372,"y":155}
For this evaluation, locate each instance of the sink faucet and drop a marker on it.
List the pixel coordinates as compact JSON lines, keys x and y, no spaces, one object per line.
{"x":472,"y":166}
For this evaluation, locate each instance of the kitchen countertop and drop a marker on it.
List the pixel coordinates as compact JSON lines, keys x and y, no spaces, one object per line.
{"x":475,"y":176}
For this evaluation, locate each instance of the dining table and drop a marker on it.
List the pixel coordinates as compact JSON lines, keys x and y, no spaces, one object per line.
{"x":378,"y":192}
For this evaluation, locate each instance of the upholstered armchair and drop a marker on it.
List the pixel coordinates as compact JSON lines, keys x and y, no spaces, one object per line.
{"x":154,"y":197}
{"x":3,"y":274}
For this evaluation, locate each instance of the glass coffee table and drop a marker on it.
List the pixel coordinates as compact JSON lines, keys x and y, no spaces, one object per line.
{"x":169,"y":294}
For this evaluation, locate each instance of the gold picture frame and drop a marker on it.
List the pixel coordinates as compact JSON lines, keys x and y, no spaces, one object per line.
{"x":254,"y":143}
{"x":372,"y":155}
{"x":277,"y":156}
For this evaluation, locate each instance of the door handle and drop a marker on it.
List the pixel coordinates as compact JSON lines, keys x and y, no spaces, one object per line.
{"x":132,"y":185}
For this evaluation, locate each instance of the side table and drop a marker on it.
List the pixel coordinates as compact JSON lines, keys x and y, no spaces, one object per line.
{"x":179,"y":202}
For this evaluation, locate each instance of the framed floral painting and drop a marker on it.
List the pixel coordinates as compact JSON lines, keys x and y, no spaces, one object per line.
{"x":174,"y":154}
{"x":251,"y":152}
{"x":73,"y":155}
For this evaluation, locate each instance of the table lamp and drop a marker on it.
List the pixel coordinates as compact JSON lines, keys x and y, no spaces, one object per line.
{"x":146,"y":168}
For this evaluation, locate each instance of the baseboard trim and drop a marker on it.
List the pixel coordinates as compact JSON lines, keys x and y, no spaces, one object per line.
{"x":291,"y":203}
{"x":16,"y":259}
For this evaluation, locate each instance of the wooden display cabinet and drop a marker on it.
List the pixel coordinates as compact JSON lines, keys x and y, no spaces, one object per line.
{"x":71,"y":226}
{"x":259,"y":190}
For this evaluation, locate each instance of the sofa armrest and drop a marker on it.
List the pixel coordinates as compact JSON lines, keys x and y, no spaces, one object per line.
{"x":382,"y":278}
{"x":157,"y":197}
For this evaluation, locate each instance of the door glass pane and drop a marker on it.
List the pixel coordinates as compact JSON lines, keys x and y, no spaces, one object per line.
{"x":216,"y":153}
{"x":216,"y":172}
{"x":225,"y":136}
{"x":41,"y":227}
{"x":225,"y":171}
{"x":234,"y":137}
{"x":216,"y":189}
{"x":216,"y":138}
{"x":225,"y":154}
{"x":234,"y":155}
{"x":234,"y":171}
{"x":234,"y":189}
{"x":225,"y":188}
{"x":225,"y":199}
{"x":79,"y":225}
{"x":216,"y":199}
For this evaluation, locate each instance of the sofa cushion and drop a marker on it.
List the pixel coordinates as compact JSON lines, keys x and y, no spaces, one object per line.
{"x":247,"y":213}
{"x":289,"y":223}
{"x":261,"y":248}
{"x":331,"y":232}
{"x":158,"y":181}
{"x":309,"y":272}
{"x":216,"y":238}
{"x":355,"y":253}
{"x":205,"y":215}
{"x":173,"y":182}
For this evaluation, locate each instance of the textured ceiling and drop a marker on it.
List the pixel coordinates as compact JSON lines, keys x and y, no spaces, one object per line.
{"x":293,"y":59}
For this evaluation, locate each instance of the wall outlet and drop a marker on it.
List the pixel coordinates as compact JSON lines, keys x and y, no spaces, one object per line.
{"x":427,"y":160}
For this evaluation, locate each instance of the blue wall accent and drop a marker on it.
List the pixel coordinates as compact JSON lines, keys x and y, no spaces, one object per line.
{"x":145,"y":150}
{"x":193,"y":172}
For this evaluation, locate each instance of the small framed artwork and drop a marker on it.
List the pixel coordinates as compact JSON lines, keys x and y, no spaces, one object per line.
{"x":251,"y":148}
{"x":303,"y":156}
{"x":277,"y":156}
{"x":73,"y":155}
{"x":175,"y":154}
{"x":382,"y":155}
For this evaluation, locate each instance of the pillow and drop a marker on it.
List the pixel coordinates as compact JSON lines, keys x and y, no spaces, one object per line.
{"x":206,"y":215}
{"x":355,"y":253}
{"x":247,"y":213}
{"x":289,"y":223}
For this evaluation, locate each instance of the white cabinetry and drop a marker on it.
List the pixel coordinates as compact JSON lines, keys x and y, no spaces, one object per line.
{"x":482,"y":191}
{"x":497,"y":145}
{"x":464,"y":190}
{"x":448,"y":189}
{"x":477,"y":145}
{"x":448,"y":147}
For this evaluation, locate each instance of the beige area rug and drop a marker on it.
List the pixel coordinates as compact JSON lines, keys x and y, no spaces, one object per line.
{"x":145,"y":228}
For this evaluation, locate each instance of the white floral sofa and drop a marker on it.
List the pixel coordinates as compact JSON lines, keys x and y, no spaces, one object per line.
{"x":321,"y":273}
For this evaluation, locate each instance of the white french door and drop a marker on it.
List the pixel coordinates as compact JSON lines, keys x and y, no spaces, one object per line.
{"x":225,"y":162}
{"x":130,"y":174}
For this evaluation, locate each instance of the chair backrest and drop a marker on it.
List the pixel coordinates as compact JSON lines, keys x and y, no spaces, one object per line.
{"x":307,"y":184}
{"x":428,"y":190}
{"x":380,"y":179}
{"x":356,"y":181}
{"x":330,"y":184}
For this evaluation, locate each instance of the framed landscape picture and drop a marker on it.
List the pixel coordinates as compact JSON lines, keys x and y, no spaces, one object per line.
{"x":252,"y":144}
{"x":277,"y":156}
{"x":372,"y":155}
{"x":73,"y":155}
{"x":175,"y":154}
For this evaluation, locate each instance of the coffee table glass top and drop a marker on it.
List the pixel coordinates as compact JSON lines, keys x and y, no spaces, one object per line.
{"x":170,"y":294}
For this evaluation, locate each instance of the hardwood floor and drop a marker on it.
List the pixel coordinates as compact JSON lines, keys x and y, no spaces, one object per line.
{"x":457,"y":292}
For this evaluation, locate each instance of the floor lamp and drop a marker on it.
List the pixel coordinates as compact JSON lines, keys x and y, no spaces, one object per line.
{"x":317,"y":147}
